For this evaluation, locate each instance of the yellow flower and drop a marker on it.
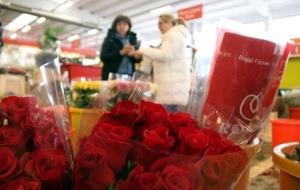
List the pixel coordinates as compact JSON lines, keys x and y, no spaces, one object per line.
{"x":93,"y":85}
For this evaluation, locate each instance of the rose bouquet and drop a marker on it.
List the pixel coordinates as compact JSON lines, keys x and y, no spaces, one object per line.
{"x":34,"y":138}
{"x":142,"y":146}
{"x":122,"y":90}
{"x":32,"y":154}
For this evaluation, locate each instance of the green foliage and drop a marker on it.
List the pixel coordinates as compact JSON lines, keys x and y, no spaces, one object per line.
{"x":295,"y":155}
{"x":293,"y":101}
{"x":84,"y":98}
{"x":117,"y":98}
{"x":50,"y":37}
{"x":126,"y":170}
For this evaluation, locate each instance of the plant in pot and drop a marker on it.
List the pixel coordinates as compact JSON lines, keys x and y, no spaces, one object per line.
{"x":287,"y":158}
{"x":293,"y":103}
{"x":49,"y":44}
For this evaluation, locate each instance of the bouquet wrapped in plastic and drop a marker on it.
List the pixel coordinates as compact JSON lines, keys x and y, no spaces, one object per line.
{"x":34,"y":139}
{"x":139,"y":145}
{"x":243,"y":81}
{"x":142,"y":146}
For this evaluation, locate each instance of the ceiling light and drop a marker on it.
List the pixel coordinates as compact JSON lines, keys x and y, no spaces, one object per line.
{"x":59,"y":1}
{"x":160,"y":10}
{"x":93,"y":31}
{"x":64,"y":6}
{"x":26,"y":28}
{"x":13,"y":36}
{"x":20,"y":21}
{"x":41,"y":20}
{"x":72,"y":38}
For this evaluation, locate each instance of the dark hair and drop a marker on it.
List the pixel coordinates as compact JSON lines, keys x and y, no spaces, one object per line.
{"x":121,"y":18}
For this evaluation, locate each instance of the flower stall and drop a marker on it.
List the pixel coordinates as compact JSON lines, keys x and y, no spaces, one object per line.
{"x":123,"y":140}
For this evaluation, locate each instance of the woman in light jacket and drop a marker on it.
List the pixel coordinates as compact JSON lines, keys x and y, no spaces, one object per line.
{"x":171,"y":64}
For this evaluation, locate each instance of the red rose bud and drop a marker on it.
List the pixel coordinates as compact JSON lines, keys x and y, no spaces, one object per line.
{"x":181,"y":120}
{"x":142,"y":180}
{"x":193,"y":142}
{"x":158,"y":138}
{"x":123,"y":113}
{"x":125,"y":108}
{"x":13,"y":138}
{"x":150,"y":115}
{"x":48,"y":138}
{"x":16,"y":108}
{"x":178,"y":177}
{"x":211,"y":170}
{"x":115,"y":141}
{"x":22,"y":183}
{"x":233,"y":171}
{"x":178,"y":172}
{"x":91,"y":170}
{"x":118,"y":133}
{"x":9,"y":164}
{"x":1,"y":118}
{"x":218,"y":143}
{"x":50,"y":166}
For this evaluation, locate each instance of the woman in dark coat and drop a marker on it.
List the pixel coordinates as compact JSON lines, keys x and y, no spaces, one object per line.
{"x":117,"y":53}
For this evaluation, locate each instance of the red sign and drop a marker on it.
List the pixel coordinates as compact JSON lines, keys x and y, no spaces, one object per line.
{"x":191,"y":13}
{"x":76,"y":43}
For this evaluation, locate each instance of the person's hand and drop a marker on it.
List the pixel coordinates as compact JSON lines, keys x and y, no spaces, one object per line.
{"x":128,"y":49}
{"x":137,"y":55}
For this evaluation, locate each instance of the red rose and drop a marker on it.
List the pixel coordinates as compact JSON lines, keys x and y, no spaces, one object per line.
{"x":211,"y":170}
{"x":22,"y":183}
{"x":1,"y":117}
{"x":219,"y":144}
{"x":13,"y":138}
{"x":157,"y":143}
{"x":16,"y":108}
{"x":126,"y":112}
{"x":123,"y":113}
{"x":50,"y":166}
{"x":91,"y":170}
{"x":9,"y":164}
{"x":115,"y":141}
{"x":142,"y":180}
{"x":150,"y":114}
{"x":158,"y":138}
{"x":233,"y":171}
{"x":177,"y":172}
{"x":47,"y":138}
{"x":125,"y":108}
{"x":193,"y":142}
{"x":178,"y":177}
{"x":211,"y":150}
{"x":181,"y":120}
{"x":118,"y":133}
{"x":40,"y":119}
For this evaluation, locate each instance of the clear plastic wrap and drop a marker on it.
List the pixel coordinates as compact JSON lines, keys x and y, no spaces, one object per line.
{"x":35,"y":137}
{"x":243,"y":81}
